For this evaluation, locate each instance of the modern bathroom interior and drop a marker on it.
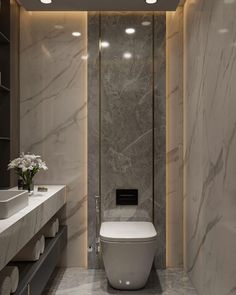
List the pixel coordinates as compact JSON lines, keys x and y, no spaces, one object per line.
{"x":117,"y":147}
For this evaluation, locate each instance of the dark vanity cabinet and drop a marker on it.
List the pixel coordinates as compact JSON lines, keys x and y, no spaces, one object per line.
{"x":34,"y":276}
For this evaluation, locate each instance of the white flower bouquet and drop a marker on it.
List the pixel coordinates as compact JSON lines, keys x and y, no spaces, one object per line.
{"x":26,"y":167}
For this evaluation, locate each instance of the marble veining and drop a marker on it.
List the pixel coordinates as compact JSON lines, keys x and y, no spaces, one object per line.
{"x":159,"y":136}
{"x":126,"y":114}
{"x":17,"y":230}
{"x":210,"y":145}
{"x":126,"y":120}
{"x":174,"y":134}
{"x":73,"y":281}
{"x":93,"y":133}
{"x":53,"y":109}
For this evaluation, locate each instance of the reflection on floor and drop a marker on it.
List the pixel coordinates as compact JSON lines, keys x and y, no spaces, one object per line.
{"x":77,"y":281}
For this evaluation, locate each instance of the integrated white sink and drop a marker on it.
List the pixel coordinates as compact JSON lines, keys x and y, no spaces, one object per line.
{"x":11,"y":202}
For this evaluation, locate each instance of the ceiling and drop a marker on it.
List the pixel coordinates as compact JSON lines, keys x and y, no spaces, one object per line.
{"x":99,"y":5}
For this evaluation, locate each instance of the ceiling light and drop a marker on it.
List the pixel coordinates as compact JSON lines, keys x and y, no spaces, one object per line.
{"x":151,"y":1}
{"x":46,"y":1}
{"x":76,"y":34}
{"x":105,"y":44}
{"x":146,"y":23}
{"x":127,"y":55}
{"x":229,"y":1}
{"x":58,"y":27}
{"x":223,"y":31}
{"x":130,"y":31}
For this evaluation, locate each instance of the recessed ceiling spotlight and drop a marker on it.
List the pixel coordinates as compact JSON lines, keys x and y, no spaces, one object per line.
{"x":130,"y":31}
{"x":146,"y":23}
{"x":223,"y":31}
{"x":76,"y":34}
{"x":46,"y":1}
{"x":105,"y":44}
{"x":58,"y":27}
{"x":151,"y":1}
{"x":229,"y":1}
{"x":127,"y":55}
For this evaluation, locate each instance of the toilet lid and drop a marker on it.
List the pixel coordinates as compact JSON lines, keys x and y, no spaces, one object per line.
{"x":127,"y":231}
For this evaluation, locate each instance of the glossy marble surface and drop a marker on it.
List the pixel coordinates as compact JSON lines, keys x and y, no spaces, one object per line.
{"x":73,"y":281}
{"x":17,"y":230}
{"x":53,"y":75}
{"x":210,"y":145}
{"x":174,"y":39}
{"x":126,"y":119}
{"x":159,"y":135}
{"x":93,"y":134}
{"x":126,"y":114}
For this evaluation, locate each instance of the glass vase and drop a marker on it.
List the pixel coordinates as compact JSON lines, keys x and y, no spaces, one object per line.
{"x":29,"y":187}
{"x":20,"y":183}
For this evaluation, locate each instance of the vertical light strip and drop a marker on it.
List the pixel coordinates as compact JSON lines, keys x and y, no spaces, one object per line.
{"x":100,"y":116}
{"x":167,"y":143}
{"x":182,"y":160}
{"x":86,"y":141}
{"x":184,"y":136}
{"x":153,"y":117}
{"x":174,"y":115}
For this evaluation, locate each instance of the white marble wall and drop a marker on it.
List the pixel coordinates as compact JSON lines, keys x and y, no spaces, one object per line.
{"x":210,"y":145}
{"x":174,"y":117}
{"x":53,"y":75}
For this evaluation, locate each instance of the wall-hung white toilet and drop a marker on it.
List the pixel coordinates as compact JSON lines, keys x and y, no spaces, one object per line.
{"x":128,"y":250}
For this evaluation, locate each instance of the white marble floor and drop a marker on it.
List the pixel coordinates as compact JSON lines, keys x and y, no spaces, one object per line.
{"x":77,"y":281}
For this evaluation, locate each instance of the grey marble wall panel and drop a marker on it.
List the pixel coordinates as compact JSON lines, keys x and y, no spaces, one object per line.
{"x":126,"y":114}
{"x":210,"y":145}
{"x":93,"y":133}
{"x":160,"y":136}
{"x":127,"y":83}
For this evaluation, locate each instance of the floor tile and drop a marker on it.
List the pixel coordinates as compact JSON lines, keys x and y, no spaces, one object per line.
{"x":77,"y":281}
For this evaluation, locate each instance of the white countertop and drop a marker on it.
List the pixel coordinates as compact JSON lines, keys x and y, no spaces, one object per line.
{"x":19,"y":229}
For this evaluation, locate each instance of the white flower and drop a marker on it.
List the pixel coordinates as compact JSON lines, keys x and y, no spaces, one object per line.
{"x":28,"y":162}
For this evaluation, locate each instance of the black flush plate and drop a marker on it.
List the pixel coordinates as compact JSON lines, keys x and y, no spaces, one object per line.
{"x":127,"y":197}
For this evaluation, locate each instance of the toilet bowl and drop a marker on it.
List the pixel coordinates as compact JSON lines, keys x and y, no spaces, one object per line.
{"x":128,"y":250}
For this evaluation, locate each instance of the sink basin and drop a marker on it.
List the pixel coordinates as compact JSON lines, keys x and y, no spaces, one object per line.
{"x":11,"y":202}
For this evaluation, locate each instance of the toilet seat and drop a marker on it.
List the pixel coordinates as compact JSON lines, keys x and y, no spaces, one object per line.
{"x":127,"y":231}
